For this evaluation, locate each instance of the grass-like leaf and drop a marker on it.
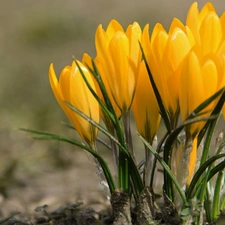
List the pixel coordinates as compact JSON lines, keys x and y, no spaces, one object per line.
{"x":192,"y":118}
{"x":216,"y":111}
{"x":201,"y":170}
{"x":102,"y":162}
{"x":108,"y":111}
{"x":101,"y":128}
{"x":163,"y":110}
{"x":216,"y":197}
{"x":166,"y":168}
{"x":216,"y":169}
{"x":126,"y":163}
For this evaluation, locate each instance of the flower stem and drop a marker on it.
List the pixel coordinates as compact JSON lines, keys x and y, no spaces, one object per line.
{"x":115,"y":155}
{"x":148,"y":166}
{"x":127,"y":131}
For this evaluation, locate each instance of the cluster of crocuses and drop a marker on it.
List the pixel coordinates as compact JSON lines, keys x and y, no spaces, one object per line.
{"x":187,"y":64}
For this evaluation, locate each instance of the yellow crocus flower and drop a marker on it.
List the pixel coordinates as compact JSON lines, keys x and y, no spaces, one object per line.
{"x":203,"y":73}
{"x":72,"y":88}
{"x":200,"y":79}
{"x":119,"y":56}
{"x":195,"y":18}
{"x":165,"y":53}
{"x":145,"y":107}
{"x":208,"y":29}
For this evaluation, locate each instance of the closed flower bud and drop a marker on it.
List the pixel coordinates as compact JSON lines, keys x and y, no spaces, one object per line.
{"x":71,"y":88}
{"x":145,"y":107}
{"x":119,"y":56}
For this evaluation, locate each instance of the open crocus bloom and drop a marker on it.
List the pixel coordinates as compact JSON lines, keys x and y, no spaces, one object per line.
{"x":71,"y":88}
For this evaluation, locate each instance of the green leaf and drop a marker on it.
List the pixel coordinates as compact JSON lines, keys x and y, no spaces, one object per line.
{"x":108,"y":110}
{"x":216,"y":111}
{"x":50,"y":136}
{"x":166,"y":168}
{"x":124,"y":157}
{"x":102,"y":129}
{"x":191,"y":119}
{"x":200,"y":171}
{"x":207,"y":207}
{"x":207,"y":102}
{"x":216,"y":197}
{"x":124,"y":169}
{"x":163,"y":110}
{"x":158,"y":150}
{"x":216,"y":169}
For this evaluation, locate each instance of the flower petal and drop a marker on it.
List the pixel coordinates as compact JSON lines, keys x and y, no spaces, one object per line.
{"x":210,"y":33}
{"x":112,"y":28}
{"x":145,"y":106}
{"x":119,"y":53}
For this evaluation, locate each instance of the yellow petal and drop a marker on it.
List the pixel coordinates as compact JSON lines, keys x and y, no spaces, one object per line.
{"x":101,"y":43}
{"x":212,"y":77}
{"x":54,"y":83}
{"x":190,"y":36}
{"x":59,"y":96}
{"x":57,"y":90}
{"x":177,"y":48}
{"x":192,"y":161}
{"x":209,"y":76}
{"x":207,"y":8}
{"x":222,"y":21}
{"x":191,"y":92}
{"x":71,"y":88}
{"x":82,"y":99}
{"x":176,"y":23}
{"x":112,"y":28}
{"x":64,"y":83}
{"x":145,"y":106}
{"x":221,"y":51}
{"x":134,"y":34}
{"x":158,"y":28}
{"x":193,"y":22}
{"x":158,"y":45}
{"x":86,"y":101}
{"x":108,"y":89}
{"x":87,"y":61}
{"x":210,"y":33}
{"x":145,"y":41}
{"x":118,"y":82}
{"x":195,"y":18}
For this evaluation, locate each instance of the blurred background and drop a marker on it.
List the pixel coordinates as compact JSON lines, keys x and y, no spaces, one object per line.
{"x":32,"y":35}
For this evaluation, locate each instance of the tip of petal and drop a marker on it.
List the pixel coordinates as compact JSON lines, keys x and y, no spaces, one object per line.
{"x":208,"y":7}
{"x":176,"y":23}
{"x":51,"y":72}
